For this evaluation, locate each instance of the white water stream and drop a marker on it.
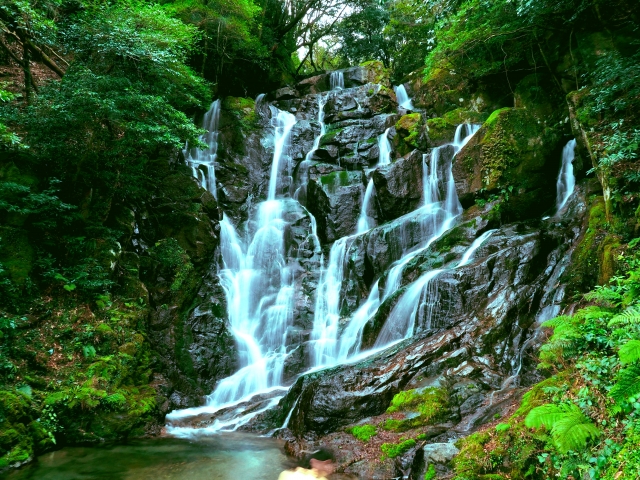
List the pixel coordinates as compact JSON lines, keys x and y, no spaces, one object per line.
{"x":403,"y":97}
{"x":202,"y":161}
{"x":437,"y":215}
{"x":566,"y":178}
{"x":336,"y":80}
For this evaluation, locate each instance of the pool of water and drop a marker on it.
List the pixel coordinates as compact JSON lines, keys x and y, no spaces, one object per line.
{"x":221,"y":457}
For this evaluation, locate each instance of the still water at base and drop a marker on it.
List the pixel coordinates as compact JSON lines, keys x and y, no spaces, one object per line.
{"x":222,"y":457}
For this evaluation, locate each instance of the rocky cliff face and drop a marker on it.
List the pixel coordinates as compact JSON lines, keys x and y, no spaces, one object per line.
{"x":476,"y":320}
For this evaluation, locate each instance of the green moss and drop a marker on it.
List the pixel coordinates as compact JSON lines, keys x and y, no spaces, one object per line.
{"x":363,"y":432}
{"x":393,"y":450}
{"x":431,"y":473}
{"x":463,"y":115}
{"x":376,"y":72}
{"x":409,"y":128}
{"x":330,"y":137}
{"x":427,"y":406}
{"x":339,"y":178}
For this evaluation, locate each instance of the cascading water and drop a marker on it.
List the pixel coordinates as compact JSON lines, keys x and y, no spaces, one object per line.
{"x":566,"y":179}
{"x":477,"y":243}
{"x":403,"y":97}
{"x":384,"y":146}
{"x":258,"y":283}
{"x":303,"y":168}
{"x":336,"y":80}
{"x":365,"y":222}
{"x":437,"y":216}
{"x":202,"y":161}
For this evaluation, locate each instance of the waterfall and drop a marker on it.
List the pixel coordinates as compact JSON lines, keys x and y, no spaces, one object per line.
{"x":437,"y":216}
{"x":365,"y":221}
{"x":477,"y":243}
{"x":336,"y":80}
{"x":327,"y":313}
{"x":283,"y":122}
{"x":303,"y":169}
{"x":403,"y":97}
{"x":202,"y":161}
{"x":566,"y":179}
{"x":418,"y":298}
{"x":258,"y":281}
{"x":384,"y":146}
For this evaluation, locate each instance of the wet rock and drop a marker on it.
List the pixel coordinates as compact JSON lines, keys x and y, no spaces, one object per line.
{"x":513,"y":152}
{"x":335,"y":201}
{"x":313,"y":85}
{"x":439,"y":452}
{"x":286,"y":93}
{"x":337,"y":397}
{"x":399,"y":188}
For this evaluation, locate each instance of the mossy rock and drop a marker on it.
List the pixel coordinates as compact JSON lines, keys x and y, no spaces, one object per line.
{"x":516,"y":156}
{"x":21,"y":435}
{"x":594,"y":259}
{"x":441,"y":130}
{"x":376,"y":72}
{"x":410,"y":131}
{"x":421,"y":407}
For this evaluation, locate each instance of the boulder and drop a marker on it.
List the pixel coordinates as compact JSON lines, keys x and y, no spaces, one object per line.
{"x":441,"y":453}
{"x":514,"y":155}
{"x":335,"y":201}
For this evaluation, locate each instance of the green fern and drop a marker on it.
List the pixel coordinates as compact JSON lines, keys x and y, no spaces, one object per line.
{"x":570,"y":428}
{"x":629,"y":352}
{"x":604,"y":296}
{"x":562,"y":343}
{"x":627,"y":384}
{"x":631,"y":315}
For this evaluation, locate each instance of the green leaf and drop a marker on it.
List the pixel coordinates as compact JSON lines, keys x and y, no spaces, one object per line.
{"x":629,"y":352}
{"x":631,"y":315}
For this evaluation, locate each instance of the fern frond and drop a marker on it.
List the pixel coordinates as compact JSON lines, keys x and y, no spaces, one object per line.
{"x":570,"y":428}
{"x":545,"y":416}
{"x":604,"y":296}
{"x":559,"y":321}
{"x":627,"y":384}
{"x":573,"y":431}
{"x":629,"y":352}
{"x":593,"y":313}
{"x":629,"y":316}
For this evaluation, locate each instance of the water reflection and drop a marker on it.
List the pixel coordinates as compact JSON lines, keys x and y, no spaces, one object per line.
{"x":220,"y":457}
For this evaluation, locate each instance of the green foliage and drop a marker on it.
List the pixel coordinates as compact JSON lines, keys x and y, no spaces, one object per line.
{"x":431,"y":473}
{"x":393,"y":450}
{"x":363,"y":432}
{"x":173,"y":257}
{"x":431,"y":404}
{"x":631,"y":315}
{"x":570,"y":428}
{"x":629,"y":352}
{"x":398,"y":33}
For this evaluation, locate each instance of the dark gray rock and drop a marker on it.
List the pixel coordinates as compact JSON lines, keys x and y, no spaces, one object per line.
{"x":335,"y":201}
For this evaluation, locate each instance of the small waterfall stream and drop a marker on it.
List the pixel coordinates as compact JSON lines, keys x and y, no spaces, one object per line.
{"x":365,"y":222}
{"x":566,"y":178}
{"x":385,"y":148}
{"x":336,"y":80}
{"x":202,"y":161}
{"x":403,"y":97}
{"x":258,"y":282}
